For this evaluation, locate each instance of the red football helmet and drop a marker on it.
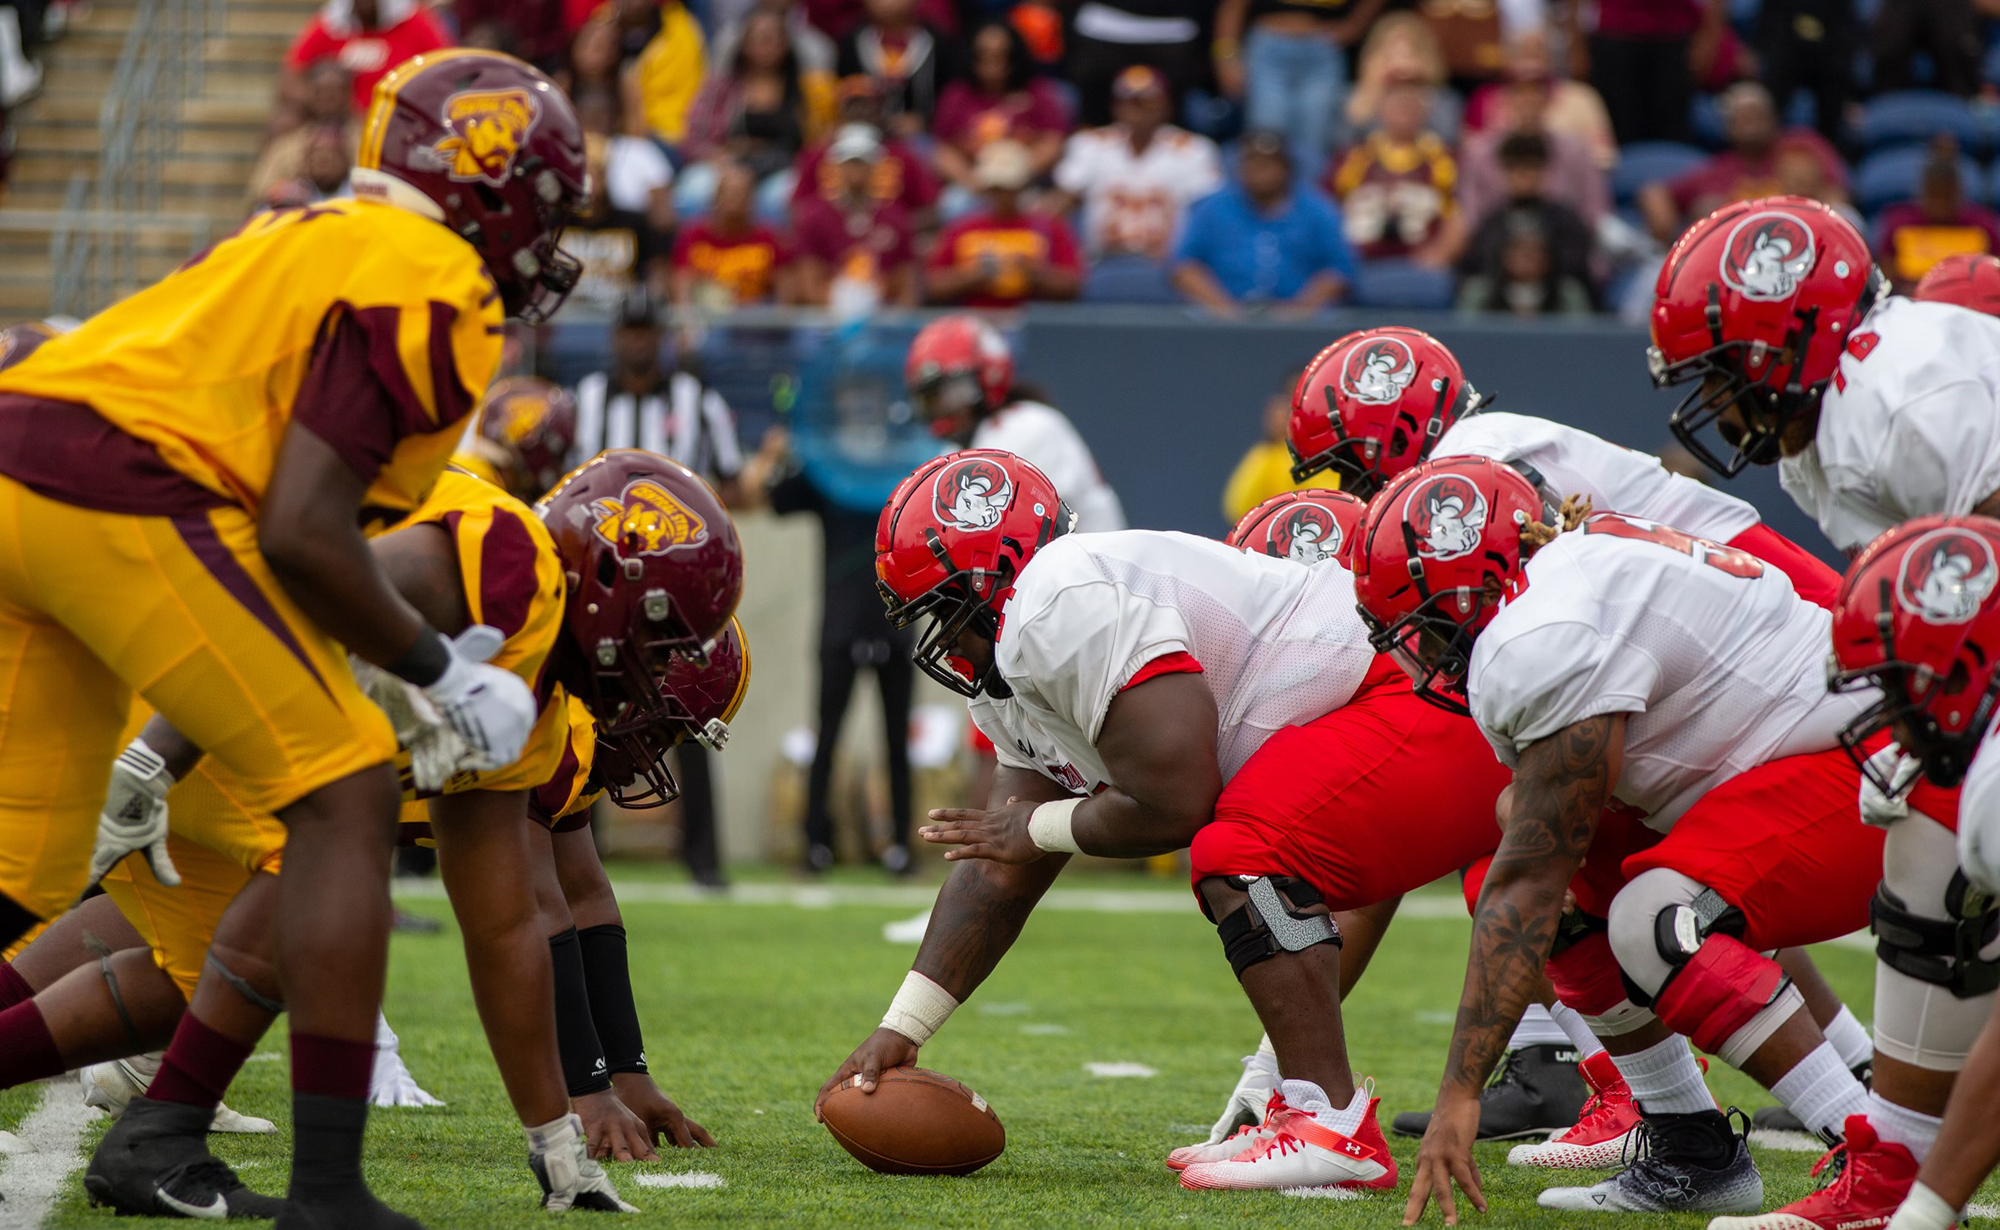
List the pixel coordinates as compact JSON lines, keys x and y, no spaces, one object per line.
{"x":491,"y":148}
{"x":1439,"y":547}
{"x":654,"y":571}
{"x":1970,"y":280}
{"x":1756,"y":301}
{"x":706,"y":696}
{"x":950,"y":543}
{"x":1917,"y":617}
{"x":526,"y":428}
{"x":1307,"y":526}
{"x":959,"y":370}
{"x":1372,"y":405}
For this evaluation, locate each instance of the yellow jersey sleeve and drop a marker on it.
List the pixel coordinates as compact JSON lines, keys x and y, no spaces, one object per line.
{"x":563,"y":802}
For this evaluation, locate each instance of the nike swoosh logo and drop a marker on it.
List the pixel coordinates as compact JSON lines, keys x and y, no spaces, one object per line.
{"x":215,"y":1210}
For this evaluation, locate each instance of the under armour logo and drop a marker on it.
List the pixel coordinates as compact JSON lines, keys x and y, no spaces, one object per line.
{"x":1353,"y":1148}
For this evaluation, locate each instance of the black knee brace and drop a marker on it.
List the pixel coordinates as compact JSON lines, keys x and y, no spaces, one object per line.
{"x":1274,"y":920}
{"x":1944,"y":953}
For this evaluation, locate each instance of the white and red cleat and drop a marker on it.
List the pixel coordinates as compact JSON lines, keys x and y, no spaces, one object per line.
{"x":1874,"y":1176}
{"x":1303,"y":1152}
{"x":1245,"y":1138}
{"x":1601,"y":1131}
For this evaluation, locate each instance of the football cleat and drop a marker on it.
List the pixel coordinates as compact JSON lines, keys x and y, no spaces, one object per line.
{"x":1535,"y":1091}
{"x":1870,"y":1177}
{"x":155,"y":1162}
{"x":1601,"y":1132}
{"x":1245,"y":1137}
{"x":1680,"y":1164}
{"x":111,"y":1086}
{"x":1302,"y":1152}
{"x":1242,"y":1116}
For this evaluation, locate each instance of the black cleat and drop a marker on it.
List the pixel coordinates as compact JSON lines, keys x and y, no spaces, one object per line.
{"x":1536,"y":1091}
{"x":350,"y":1210}
{"x":1694,"y":1163}
{"x":155,"y":1162}
{"x":1781,"y":1119}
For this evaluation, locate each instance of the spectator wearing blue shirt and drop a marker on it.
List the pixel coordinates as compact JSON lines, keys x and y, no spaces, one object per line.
{"x":1264,"y":241}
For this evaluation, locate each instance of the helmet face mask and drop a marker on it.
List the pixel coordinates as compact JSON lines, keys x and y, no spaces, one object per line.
{"x":1374,"y":404}
{"x":950,"y":404}
{"x":1433,"y":644}
{"x":958,"y":370}
{"x":952,"y":609}
{"x":1752,"y":434}
{"x":1906,"y":709}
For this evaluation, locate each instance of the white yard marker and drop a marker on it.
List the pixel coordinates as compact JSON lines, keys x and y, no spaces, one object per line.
{"x":1787,"y":1142}
{"x":1115,"y":1070}
{"x":1044,"y":1029}
{"x":34,"y":1176}
{"x":688,"y":1178}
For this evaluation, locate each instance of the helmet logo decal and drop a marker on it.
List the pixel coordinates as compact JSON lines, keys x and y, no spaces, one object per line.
{"x":972,"y":494}
{"x":1306,"y":534}
{"x":1768,"y":254}
{"x":524,"y":412}
{"x":1448,"y":513}
{"x":488,"y":130}
{"x":649,"y":516}
{"x":1946,"y":576}
{"x":1376,"y":372}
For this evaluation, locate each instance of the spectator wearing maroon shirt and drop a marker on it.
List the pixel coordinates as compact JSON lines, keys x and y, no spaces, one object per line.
{"x":729,"y":259}
{"x":855,"y":252}
{"x":367,"y":38}
{"x":1912,"y":236}
{"x":1001,"y":256}
{"x":1396,"y":187}
{"x":999,"y":97}
{"x":901,"y":176}
{"x":1749,"y":168}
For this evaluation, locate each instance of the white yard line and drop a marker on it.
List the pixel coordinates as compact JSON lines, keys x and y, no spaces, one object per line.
{"x":33,"y":1177}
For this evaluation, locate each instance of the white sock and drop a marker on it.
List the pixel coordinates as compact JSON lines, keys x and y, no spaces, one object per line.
{"x":1264,"y":1048}
{"x":1537,"y":1029}
{"x":1665,"y":1079}
{"x":1577,"y":1028}
{"x":1850,"y":1037}
{"x":1308,"y":1097}
{"x":1912,"y":1129}
{"x":1822,"y":1091}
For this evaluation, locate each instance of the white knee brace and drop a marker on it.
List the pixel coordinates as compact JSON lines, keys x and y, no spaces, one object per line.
{"x":1921,"y":1018}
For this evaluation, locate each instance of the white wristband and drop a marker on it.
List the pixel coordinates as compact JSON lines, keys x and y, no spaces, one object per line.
{"x":1048,"y":827}
{"x":920,"y":1008}
{"x":1923,"y":1209}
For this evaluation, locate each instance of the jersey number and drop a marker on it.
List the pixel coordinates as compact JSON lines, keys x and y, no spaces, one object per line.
{"x":1859,"y":345}
{"x":1728,"y":559}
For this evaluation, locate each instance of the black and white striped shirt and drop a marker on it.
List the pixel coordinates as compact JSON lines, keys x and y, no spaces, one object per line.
{"x":683,"y":419}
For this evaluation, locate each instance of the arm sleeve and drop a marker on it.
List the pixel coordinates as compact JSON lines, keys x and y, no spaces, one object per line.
{"x":1943,"y":453}
{"x":1552,"y":676}
{"x":1072,"y":173}
{"x":1080,"y":648}
{"x":1062,"y":246}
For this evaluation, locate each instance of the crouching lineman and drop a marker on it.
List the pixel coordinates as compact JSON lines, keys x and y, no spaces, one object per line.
{"x":637,"y":565}
{"x":1149,"y":691}
{"x":1623,"y":661}
{"x":1919,"y":618}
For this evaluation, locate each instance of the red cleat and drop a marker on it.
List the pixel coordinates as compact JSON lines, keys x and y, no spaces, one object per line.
{"x":1601,"y":1131}
{"x":1871,"y":1177}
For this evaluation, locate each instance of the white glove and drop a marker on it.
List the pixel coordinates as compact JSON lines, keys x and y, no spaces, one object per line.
{"x":570,"y":1178}
{"x":1883,"y":810}
{"x":491,"y":709}
{"x":436,"y":751}
{"x":1247,"y":1100}
{"x":391,"y":1084}
{"x":135,"y":814}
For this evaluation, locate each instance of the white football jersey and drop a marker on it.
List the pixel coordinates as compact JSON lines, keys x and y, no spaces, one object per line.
{"x":1278,"y":644}
{"x":1979,"y":815}
{"x":1046,"y":439}
{"x":1616,"y":479}
{"x":1720,"y":666}
{"x":1910,"y":424}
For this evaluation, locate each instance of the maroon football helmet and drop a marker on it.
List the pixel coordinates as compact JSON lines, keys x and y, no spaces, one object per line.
{"x":654,"y":570}
{"x":705,"y":696}
{"x":526,"y":427}
{"x":491,"y":148}
{"x":1308,"y":527}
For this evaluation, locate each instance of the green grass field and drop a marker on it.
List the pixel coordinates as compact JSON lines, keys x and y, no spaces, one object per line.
{"x":748,"y":1008}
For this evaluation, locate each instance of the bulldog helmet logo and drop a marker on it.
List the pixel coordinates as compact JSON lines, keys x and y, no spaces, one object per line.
{"x":972,"y":494}
{"x":649,"y":519}
{"x":488,"y":130}
{"x":524,"y":414}
{"x":1448,"y":513}
{"x":1768,"y":254}
{"x":1378,"y":371}
{"x":1946,"y":576}
{"x":1306,"y":534}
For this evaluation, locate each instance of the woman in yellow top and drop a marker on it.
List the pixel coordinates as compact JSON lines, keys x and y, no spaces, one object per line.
{"x":1266,"y":470}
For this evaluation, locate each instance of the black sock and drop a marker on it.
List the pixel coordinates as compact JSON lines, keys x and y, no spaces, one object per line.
{"x":584,"y":1069}
{"x":611,"y":1003}
{"x":326,"y":1144}
{"x":15,"y":921}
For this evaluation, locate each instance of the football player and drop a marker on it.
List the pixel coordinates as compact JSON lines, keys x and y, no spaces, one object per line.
{"x":1919,"y":619}
{"x":522,"y":436}
{"x":184,"y":490}
{"x":1968,"y":280}
{"x":1306,"y":527}
{"x":1626,"y":662}
{"x":1152,"y":691}
{"x":652,"y":568}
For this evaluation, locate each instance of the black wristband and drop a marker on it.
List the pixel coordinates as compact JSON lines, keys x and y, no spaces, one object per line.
{"x":611,"y":1004}
{"x":576,"y":1035}
{"x":425,"y":662}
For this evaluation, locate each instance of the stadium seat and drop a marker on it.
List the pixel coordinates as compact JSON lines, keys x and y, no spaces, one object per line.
{"x":1402,"y":285}
{"x":1128,"y":279}
{"x":1891,"y":175}
{"x":1913,"y":117}
{"x":1645,"y":162}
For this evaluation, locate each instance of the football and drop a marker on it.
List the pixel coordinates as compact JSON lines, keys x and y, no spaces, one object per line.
{"x":916,"y":1122}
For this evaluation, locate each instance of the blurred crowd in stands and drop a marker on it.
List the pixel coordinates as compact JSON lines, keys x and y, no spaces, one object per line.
{"x":1511,"y":156}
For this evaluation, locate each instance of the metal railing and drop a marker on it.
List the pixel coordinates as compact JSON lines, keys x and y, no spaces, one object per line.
{"x":95,"y":246}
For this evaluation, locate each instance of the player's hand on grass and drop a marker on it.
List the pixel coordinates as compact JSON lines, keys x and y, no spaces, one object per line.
{"x":135,"y":814}
{"x":1445,"y":1157}
{"x":663,"y":1120}
{"x":612,"y":1130}
{"x":884,"y":1049}
{"x":570,"y":1178}
{"x":1000,"y":835}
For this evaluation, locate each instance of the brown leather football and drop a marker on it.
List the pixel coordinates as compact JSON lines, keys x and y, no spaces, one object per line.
{"x":916,"y":1122}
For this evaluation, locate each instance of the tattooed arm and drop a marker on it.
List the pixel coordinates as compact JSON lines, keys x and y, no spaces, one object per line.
{"x":1560,"y":787}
